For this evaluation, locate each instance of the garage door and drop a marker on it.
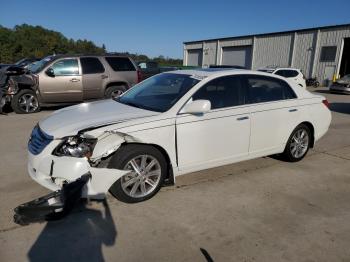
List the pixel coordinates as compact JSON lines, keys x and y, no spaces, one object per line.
{"x":194,"y":57}
{"x":238,"y":56}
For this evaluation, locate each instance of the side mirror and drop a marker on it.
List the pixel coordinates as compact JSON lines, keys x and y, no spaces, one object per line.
{"x":50,"y":72}
{"x":196,"y":107}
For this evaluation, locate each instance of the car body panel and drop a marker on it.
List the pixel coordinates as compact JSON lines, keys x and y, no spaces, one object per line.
{"x":86,"y":115}
{"x":190,"y":142}
{"x":61,"y":88}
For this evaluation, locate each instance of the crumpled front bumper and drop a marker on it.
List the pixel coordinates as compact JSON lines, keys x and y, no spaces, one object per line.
{"x":53,"y":172}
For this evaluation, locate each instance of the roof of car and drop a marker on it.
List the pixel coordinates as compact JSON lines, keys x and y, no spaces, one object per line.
{"x":203,"y":72}
{"x":86,"y":55}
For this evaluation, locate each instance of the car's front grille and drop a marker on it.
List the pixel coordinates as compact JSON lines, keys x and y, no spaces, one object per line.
{"x":38,"y":141}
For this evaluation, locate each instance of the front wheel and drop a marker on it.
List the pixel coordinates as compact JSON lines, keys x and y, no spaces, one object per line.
{"x":298,"y":144}
{"x":25,"y":102}
{"x":147,"y":167}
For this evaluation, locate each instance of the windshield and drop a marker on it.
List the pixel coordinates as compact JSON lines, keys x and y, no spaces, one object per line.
{"x":158,"y":93}
{"x":36,"y":67}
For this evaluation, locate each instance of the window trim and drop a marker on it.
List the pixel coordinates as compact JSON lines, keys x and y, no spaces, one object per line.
{"x":322,"y":56}
{"x":122,"y":57}
{"x":244,"y":88}
{"x":248,"y":102}
{"x":82,"y":68}
{"x":66,"y":58}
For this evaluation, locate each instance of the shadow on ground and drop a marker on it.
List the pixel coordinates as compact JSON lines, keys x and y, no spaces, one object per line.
{"x":77,"y":237}
{"x":343,"y":108}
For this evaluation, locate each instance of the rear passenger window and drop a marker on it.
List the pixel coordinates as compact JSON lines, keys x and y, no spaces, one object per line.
{"x":91,"y":65}
{"x":266,"y":89}
{"x":120,"y":63}
{"x":291,"y":73}
{"x":222,"y":92}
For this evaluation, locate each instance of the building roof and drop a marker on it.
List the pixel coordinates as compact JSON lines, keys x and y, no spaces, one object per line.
{"x":268,"y":34}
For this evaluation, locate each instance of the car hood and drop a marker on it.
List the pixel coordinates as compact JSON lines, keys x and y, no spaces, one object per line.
{"x":70,"y":120}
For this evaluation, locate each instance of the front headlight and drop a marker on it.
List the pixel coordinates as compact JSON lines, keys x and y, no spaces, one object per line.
{"x":76,"y":146}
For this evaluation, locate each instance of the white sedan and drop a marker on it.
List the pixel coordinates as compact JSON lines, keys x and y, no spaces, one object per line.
{"x":172,"y":124}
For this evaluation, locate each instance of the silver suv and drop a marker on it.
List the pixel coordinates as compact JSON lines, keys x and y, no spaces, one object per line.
{"x":67,"y":79}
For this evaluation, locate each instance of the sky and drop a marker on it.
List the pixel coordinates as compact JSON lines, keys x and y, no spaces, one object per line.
{"x":160,"y":27}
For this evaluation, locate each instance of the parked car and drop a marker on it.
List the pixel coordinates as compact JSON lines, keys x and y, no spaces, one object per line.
{"x":291,"y":73}
{"x":26,"y":61}
{"x":151,"y":68}
{"x":227,"y":66}
{"x":342,"y":85}
{"x":67,"y":79}
{"x":172,"y":124}
{"x":20,"y":63}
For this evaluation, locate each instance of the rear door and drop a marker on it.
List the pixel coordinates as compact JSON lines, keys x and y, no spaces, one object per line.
{"x":94,"y":77}
{"x":65,"y":85}
{"x":274,"y":113}
{"x":122,"y":69}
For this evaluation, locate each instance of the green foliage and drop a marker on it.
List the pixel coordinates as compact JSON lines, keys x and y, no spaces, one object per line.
{"x":35,"y":41}
{"x":24,"y":41}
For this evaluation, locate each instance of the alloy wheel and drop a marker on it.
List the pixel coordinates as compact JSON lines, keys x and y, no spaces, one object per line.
{"x":300,"y":143}
{"x":28,"y":103}
{"x":143,"y":178}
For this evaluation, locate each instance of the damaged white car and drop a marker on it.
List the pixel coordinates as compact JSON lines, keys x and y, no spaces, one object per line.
{"x":171,"y":124}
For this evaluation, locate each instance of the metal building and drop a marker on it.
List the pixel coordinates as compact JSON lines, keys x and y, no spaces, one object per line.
{"x":320,"y":52}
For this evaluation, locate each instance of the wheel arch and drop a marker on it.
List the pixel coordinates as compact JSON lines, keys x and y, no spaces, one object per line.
{"x":116,"y":83}
{"x":312,"y":130}
{"x":170,"y":178}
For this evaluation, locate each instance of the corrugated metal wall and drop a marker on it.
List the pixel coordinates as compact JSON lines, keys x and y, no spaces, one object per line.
{"x":297,"y":49}
{"x":305,"y":44}
{"x":272,"y":50}
{"x":329,"y":38}
{"x":209,"y":53}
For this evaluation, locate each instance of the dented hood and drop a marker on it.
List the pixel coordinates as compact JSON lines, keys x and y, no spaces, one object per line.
{"x":68,"y":121}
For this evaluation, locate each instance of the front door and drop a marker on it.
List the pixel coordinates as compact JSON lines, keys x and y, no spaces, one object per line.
{"x":219,"y":136}
{"x":65,"y":85}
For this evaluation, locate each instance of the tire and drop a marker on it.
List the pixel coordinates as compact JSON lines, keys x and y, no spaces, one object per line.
{"x":134,"y":187}
{"x":294,"y":150}
{"x":25,"y":102}
{"x":316,"y":84}
{"x":114,"y":91}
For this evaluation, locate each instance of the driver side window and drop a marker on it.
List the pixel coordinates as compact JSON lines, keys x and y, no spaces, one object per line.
{"x":66,"y":67}
{"x":222,"y":92}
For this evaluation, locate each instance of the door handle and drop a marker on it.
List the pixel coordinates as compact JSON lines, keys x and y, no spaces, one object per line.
{"x":74,"y":80}
{"x":104,"y":76}
{"x":242,"y":118}
{"x":293,"y":110}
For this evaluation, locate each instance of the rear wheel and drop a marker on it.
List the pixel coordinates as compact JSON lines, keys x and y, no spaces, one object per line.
{"x":298,"y":144}
{"x":147,"y":167}
{"x":114,"y":91}
{"x":25,"y":102}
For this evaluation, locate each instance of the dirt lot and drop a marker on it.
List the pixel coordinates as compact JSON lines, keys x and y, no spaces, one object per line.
{"x":259,"y":210}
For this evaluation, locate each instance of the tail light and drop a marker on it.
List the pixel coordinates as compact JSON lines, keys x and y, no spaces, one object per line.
{"x":326,"y":103}
{"x":139,"y":76}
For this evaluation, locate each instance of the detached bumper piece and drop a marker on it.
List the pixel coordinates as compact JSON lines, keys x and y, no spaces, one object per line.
{"x":53,"y":206}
